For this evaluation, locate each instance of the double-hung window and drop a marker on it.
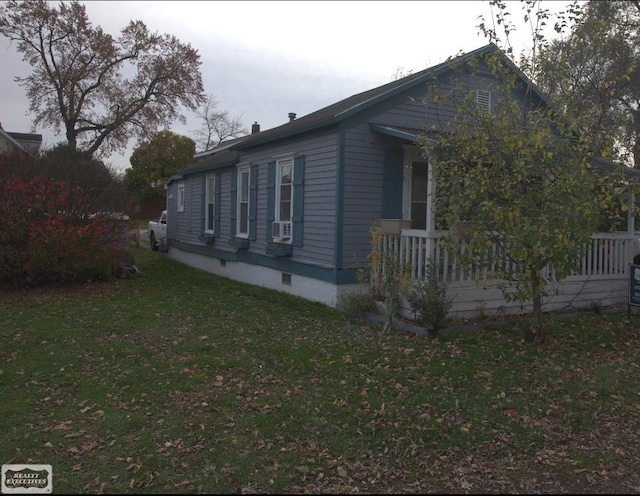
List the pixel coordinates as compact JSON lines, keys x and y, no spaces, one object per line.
{"x":285,"y":204}
{"x":284,"y":200}
{"x":210,"y":206}
{"x":180,"y":207}
{"x":243,"y":199}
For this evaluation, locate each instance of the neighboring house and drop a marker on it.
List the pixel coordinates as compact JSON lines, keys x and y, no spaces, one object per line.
{"x":19,"y":142}
{"x":290,"y":208}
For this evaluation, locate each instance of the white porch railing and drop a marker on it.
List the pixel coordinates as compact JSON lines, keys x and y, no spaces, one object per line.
{"x":607,"y":255}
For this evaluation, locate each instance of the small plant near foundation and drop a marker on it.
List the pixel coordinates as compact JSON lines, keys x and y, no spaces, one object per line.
{"x":430,"y":301}
{"x":385,"y":277}
{"x":358,"y":302}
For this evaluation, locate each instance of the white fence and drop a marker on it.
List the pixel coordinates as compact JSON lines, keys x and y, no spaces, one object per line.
{"x":607,"y":254}
{"x":600,"y":277}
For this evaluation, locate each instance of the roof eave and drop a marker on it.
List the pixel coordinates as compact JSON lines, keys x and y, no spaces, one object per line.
{"x":290,"y":134}
{"x":14,"y":142}
{"x":221,"y":147}
{"x":429,"y":74}
{"x":414,"y":138}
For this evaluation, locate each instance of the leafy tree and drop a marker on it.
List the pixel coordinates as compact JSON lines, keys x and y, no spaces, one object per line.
{"x":103,"y":187}
{"x":514,"y":184}
{"x":217,"y":125}
{"x":154,"y":161}
{"x":99,"y":89}
{"x":594,"y":72}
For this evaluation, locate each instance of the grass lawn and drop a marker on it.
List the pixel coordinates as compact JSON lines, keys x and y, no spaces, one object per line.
{"x":179,"y":381}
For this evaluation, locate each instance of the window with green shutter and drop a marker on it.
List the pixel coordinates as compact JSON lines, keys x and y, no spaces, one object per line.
{"x":242,"y":208}
{"x":210,"y":204}
{"x":285,"y":194}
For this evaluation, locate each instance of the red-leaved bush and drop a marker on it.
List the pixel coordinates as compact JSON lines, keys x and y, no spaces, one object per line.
{"x":45,"y":236}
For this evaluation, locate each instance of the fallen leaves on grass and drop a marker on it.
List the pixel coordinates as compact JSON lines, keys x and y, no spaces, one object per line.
{"x":231,"y":389}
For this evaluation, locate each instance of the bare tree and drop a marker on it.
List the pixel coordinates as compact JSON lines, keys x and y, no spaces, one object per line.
{"x":217,"y":126}
{"x":100,"y":90}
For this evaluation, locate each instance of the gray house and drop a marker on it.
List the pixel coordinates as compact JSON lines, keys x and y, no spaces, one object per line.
{"x":290,"y":208}
{"x":19,"y":142}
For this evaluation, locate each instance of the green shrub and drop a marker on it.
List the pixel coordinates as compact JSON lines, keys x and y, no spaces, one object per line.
{"x":430,"y":302}
{"x":358,"y":302}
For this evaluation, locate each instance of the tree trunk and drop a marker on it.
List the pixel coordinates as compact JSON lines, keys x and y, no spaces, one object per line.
{"x":72,"y":138}
{"x":534,"y":331}
{"x":636,"y":144}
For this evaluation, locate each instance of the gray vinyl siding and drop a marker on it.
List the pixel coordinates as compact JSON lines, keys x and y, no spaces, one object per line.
{"x":185,"y":226}
{"x":319,"y":197}
{"x":319,"y":201}
{"x":364,"y":162}
{"x":172,"y":193}
{"x":363,"y":169}
{"x":6,"y":146}
{"x":418,"y":110}
{"x":363,"y":155}
{"x":412,"y":113}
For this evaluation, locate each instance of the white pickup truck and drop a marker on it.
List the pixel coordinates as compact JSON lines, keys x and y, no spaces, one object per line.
{"x":158,"y":232}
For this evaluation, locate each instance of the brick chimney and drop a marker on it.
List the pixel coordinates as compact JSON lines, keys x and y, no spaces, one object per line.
{"x":255,"y":128}
{"x":292,"y":116}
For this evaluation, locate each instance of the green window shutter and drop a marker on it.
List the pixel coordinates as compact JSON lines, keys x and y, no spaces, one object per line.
{"x":253,"y":201}
{"x":298,"y":200}
{"x":392,"y":183}
{"x":234,"y":201}
{"x":271,"y":199}
{"x":217,"y":205}
{"x":203,"y":203}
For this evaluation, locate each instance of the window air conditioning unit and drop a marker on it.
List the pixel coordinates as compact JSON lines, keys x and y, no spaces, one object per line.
{"x":281,"y":231}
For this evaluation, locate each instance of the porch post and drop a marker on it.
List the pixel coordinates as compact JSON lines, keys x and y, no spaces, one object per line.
{"x":630,"y":211}
{"x":429,"y":224}
{"x":631,"y":221}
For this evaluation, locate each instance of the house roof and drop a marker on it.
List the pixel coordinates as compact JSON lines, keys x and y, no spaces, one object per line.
{"x":19,"y":140}
{"x":12,"y":140}
{"x":599,"y":164}
{"x":223,"y":155}
{"x":220,"y":147}
{"x":225,"y":158}
{"x":227,"y":153}
{"x":408,"y":134}
{"x":605,"y":166}
{"x":343,"y":109}
{"x":36,"y":138}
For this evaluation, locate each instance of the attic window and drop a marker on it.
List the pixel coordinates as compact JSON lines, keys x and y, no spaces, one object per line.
{"x":483,"y":100}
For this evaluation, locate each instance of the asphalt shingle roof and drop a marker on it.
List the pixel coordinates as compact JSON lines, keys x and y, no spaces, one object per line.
{"x":339,"y":110}
{"x":227,"y":153}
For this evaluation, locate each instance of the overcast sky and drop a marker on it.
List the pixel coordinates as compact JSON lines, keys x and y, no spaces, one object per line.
{"x":265,"y":59}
